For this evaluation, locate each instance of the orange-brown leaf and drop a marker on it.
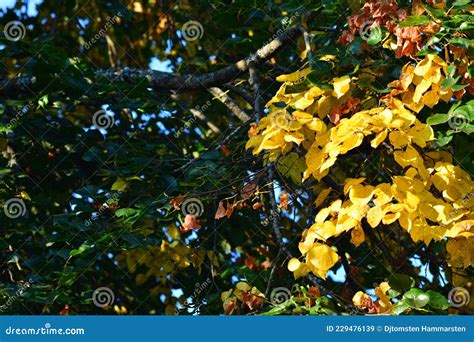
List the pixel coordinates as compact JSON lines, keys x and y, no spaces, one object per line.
{"x":225,"y":150}
{"x":248,"y":190}
{"x":220,"y":213}
{"x":177,"y":201}
{"x":190,"y":223}
{"x":284,"y":200}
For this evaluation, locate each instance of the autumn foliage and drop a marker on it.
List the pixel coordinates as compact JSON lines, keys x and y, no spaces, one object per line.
{"x":295,"y":158}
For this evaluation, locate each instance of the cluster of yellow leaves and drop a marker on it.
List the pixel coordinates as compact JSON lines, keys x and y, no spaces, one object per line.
{"x":244,"y":295}
{"x":382,"y":306}
{"x":378,"y":122}
{"x":420,"y":85}
{"x":162,"y":261}
{"x":165,"y":259}
{"x":280,"y":129}
{"x":319,"y":259}
{"x":299,"y":121}
{"x":409,"y":198}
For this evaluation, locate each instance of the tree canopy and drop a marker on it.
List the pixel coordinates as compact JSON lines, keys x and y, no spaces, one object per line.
{"x":239,"y":157}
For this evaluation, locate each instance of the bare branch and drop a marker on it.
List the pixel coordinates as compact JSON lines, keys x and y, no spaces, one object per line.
{"x":167,"y":81}
{"x":229,"y":103}
{"x":255,"y":83}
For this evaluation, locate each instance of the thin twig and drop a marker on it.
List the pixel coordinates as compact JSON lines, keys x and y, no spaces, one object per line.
{"x":229,"y":103}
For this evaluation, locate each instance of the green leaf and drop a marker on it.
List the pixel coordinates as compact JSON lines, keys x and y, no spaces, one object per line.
{"x":437,"y":119}
{"x":449,"y":82}
{"x":415,"y":20}
{"x":458,"y":87}
{"x":119,"y":185}
{"x":443,"y":140}
{"x":292,"y":166}
{"x":437,"y":300}
{"x":451,"y":69}
{"x":416,"y":298}
{"x":464,"y":42}
{"x":461,"y":3}
{"x":82,"y":248}
{"x":126,"y":212}
{"x":376,"y":35}
{"x":400,"y":282}
{"x":470,"y":71}
{"x":400,"y":308}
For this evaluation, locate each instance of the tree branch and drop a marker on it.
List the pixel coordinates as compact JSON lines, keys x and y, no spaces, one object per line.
{"x":167,"y":81}
{"x":229,"y":103}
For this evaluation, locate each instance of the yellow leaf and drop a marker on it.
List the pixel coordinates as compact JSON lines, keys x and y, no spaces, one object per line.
{"x":295,"y":137}
{"x":382,"y":194}
{"x":293,"y":264}
{"x":119,"y":185}
{"x":421,"y":133}
{"x":461,"y":252}
{"x":303,"y":103}
{"x":409,"y":157}
{"x":423,"y":67}
{"x":357,"y":236}
{"x":322,"y":196}
{"x":341,"y":85}
{"x":316,"y":125}
{"x":295,"y":76}
{"x":24,"y":195}
{"x":379,"y":138}
{"x":398,"y":139}
{"x":345,"y":223}
{"x":324,"y":230}
{"x":421,"y":231}
{"x":327,"y":164}
{"x":322,"y":258}
{"x":302,"y":271}
{"x":374,"y":216}
{"x":325,"y":104}
{"x":302,"y":117}
{"x":352,"y":182}
{"x":362,"y":300}
{"x":384,"y":300}
{"x":352,"y":142}
{"x":360,"y":194}
{"x":420,"y":90}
